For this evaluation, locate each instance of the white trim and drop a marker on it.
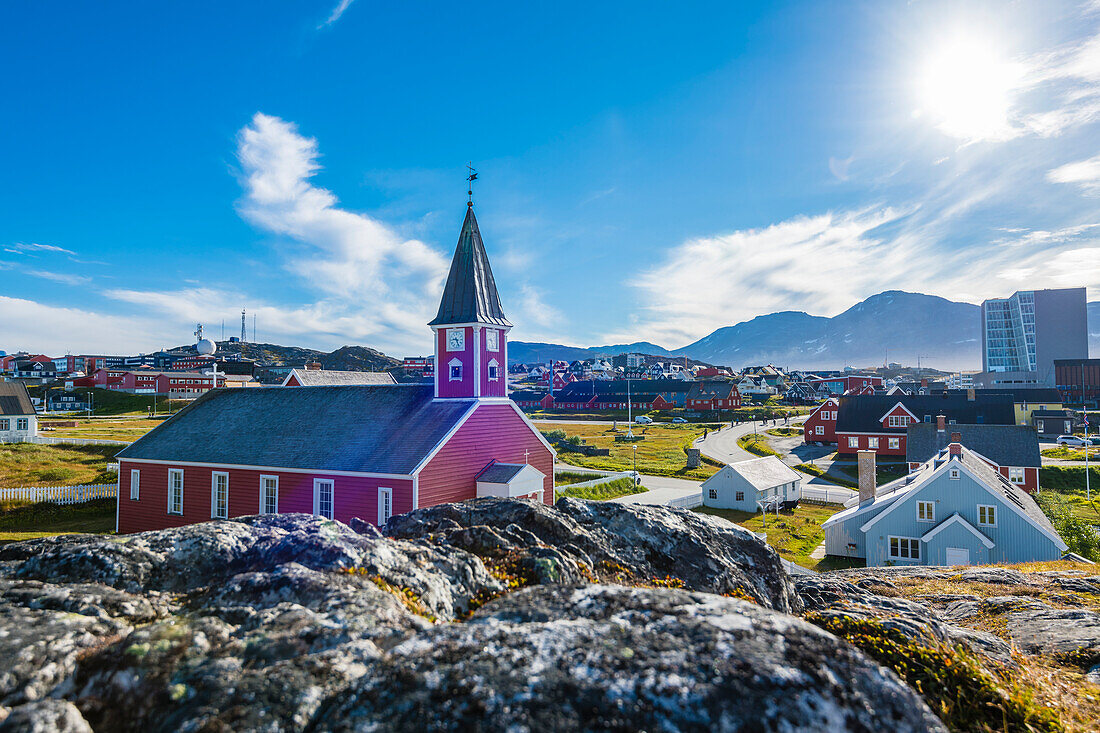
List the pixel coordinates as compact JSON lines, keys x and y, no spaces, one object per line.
{"x":162,"y":461}
{"x":890,"y":443}
{"x":443,"y":441}
{"x":416,"y":492}
{"x":454,"y":362}
{"x":317,"y":497}
{"x":135,"y":484}
{"x":263,"y":503}
{"x":996,"y":515}
{"x":387,"y":492}
{"x":118,"y":498}
{"x":957,"y":519}
{"x":932,"y":504}
{"x":293,"y":372}
{"x":493,"y":363}
{"x":478,"y":351}
{"x":447,"y":339}
{"x":818,"y":408}
{"x":917,"y":540}
{"x":902,"y":406}
{"x":214,"y":494}
{"x":534,"y":430}
{"x":170,"y":472}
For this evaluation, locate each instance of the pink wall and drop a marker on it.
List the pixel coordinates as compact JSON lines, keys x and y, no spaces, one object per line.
{"x":353,"y":496}
{"x":493,"y":432}
{"x":497,"y":388}
{"x":447,"y":388}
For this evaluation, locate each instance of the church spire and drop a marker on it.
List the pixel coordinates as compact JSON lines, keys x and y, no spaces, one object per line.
{"x":470,"y":295}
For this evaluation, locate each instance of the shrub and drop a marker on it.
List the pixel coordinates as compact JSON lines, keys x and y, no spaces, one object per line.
{"x":553,"y":436}
{"x":1075,"y":532}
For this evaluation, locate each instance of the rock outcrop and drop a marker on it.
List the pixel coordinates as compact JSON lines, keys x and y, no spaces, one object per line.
{"x":479,"y":616}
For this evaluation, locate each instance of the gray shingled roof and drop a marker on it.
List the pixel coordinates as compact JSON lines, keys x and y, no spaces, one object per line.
{"x":14,"y":399}
{"x":500,"y":473}
{"x":326,"y":378}
{"x":470,"y":295}
{"x":764,"y":473}
{"x":1005,"y":445}
{"x":1010,"y":491}
{"x":861,"y":413}
{"x":372,"y":429}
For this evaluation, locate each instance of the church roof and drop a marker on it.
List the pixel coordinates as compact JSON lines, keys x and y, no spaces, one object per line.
{"x":369,"y":429}
{"x":470,"y":295}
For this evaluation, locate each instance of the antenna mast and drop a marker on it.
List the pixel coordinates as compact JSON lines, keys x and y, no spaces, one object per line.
{"x":244,"y":334}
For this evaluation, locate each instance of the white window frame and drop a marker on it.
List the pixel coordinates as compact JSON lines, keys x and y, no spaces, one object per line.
{"x":893,"y":443}
{"x":993,"y":510}
{"x":461,"y":333}
{"x":385,"y":497}
{"x":135,"y":484}
{"x":494,"y":370}
{"x":819,"y":430}
{"x":318,"y":484}
{"x":263,"y":493}
{"x":712,"y":493}
{"x":451,"y":365}
{"x":872,"y":443}
{"x":1016,"y":475}
{"x":910,"y":543}
{"x":214,"y":476}
{"x":929,"y":508}
{"x":172,"y":473}
{"x":853,"y":442}
{"x":492,"y":339}
{"x":953,"y":473}
{"x":22,"y":423}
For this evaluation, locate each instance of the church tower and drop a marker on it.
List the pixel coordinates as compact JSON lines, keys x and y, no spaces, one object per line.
{"x":471,"y":332}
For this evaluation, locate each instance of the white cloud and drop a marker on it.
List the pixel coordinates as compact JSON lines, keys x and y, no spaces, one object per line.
{"x":336,"y":13}
{"x":36,"y":327}
{"x":59,"y":277}
{"x":1085,"y":173}
{"x":22,"y":248}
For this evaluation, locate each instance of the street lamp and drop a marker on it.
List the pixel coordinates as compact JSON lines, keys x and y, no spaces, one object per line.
{"x":635,"y":447}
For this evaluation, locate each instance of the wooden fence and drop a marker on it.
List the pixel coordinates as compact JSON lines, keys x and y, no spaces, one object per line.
{"x":60,"y":494}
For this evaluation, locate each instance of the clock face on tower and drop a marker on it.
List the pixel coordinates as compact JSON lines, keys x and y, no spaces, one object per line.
{"x":456,"y":339}
{"x":492,"y":340}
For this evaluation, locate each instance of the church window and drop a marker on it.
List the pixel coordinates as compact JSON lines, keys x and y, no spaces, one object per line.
{"x":455,"y":370}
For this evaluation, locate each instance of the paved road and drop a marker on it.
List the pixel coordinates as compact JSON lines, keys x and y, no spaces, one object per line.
{"x":662,"y":489}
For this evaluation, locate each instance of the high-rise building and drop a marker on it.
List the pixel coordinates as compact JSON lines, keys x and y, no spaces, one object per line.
{"x":1024,"y":333}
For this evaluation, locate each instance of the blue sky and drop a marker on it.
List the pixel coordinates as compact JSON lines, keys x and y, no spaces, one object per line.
{"x":648,"y":170}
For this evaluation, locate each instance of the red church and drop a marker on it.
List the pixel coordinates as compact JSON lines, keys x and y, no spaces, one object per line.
{"x":367,"y":451}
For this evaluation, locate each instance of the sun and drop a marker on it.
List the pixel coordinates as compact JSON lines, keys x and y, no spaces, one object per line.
{"x":966,"y":87}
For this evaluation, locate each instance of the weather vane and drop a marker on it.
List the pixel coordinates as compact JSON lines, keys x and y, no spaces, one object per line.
{"x":470,"y":179}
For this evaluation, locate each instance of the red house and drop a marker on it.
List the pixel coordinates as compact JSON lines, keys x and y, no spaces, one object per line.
{"x":820,"y":426}
{"x":713,"y":396}
{"x":1011,"y":450}
{"x":352,"y":451}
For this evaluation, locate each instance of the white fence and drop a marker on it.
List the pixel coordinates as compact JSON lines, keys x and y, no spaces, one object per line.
{"x":687,"y":502}
{"x":49,"y":440}
{"x":827,"y":495}
{"x":60,"y":494}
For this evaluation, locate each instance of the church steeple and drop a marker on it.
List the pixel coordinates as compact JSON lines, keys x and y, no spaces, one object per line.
{"x":471,"y":331}
{"x":470,"y":295}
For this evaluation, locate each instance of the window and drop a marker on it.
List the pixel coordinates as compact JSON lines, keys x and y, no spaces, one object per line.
{"x":872,"y":442}
{"x":135,"y":484}
{"x":853,"y":442}
{"x":455,"y":372}
{"x":712,"y":493}
{"x":494,"y":370}
{"x":219,"y":495}
{"x":175,"y":491}
{"x":987,"y":515}
{"x":740,"y":496}
{"x":21,"y":424}
{"x":322,"y":497}
{"x":5,"y":424}
{"x":897,"y":421}
{"x":928,"y":418}
{"x":1016,"y":475}
{"x":926,"y":511}
{"x":954,"y":473}
{"x":385,"y":505}
{"x":819,"y":430}
{"x":269,"y":494}
{"x":905,"y":548}
{"x":894,"y":443}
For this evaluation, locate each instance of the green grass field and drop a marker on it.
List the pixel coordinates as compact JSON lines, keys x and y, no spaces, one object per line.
{"x":30,"y":464}
{"x":660,"y":454}
{"x":794,"y":536}
{"x":756,"y":444}
{"x":127,"y":429}
{"x":603,"y":492}
{"x":1071,"y":454}
{"x":41,"y":520}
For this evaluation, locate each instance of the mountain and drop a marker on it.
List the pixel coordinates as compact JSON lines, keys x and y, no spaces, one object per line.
{"x":529,"y":352}
{"x":346,"y":358}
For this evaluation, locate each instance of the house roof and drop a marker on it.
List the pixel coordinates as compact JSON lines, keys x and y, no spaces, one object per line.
{"x":712,"y":391}
{"x":862,"y":413}
{"x":1051,"y":414}
{"x":14,"y":399}
{"x":528,"y":395}
{"x":1022,"y":394}
{"x":322,"y":378}
{"x":1005,"y":445}
{"x":368,"y":429}
{"x":764,"y":473}
{"x":584,"y":389}
{"x":500,"y":473}
{"x":953,"y":520}
{"x":470,"y":295}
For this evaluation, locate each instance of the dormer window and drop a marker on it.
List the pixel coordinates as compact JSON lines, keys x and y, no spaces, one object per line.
{"x":494,"y":370}
{"x":455,"y":370}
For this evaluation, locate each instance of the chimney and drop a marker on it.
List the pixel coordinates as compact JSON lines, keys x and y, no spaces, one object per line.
{"x":924,"y":383}
{"x":955,"y":450}
{"x":970,"y":394}
{"x":941,"y":423}
{"x":313,"y":366}
{"x":865,"y":460}
{"x":956,"y":437}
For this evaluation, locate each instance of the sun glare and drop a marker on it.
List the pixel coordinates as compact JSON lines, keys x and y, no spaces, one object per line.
{"x":966,"y":89}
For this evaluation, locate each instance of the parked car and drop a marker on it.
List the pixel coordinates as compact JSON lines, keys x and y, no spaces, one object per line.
{"x":1066,"y":440}
{"x":1094,"y":441}
{"x":644,"y":420}
{"x":679,"y":420}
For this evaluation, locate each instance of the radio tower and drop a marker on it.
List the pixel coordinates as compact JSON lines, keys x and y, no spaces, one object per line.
{"x":244,"y":335}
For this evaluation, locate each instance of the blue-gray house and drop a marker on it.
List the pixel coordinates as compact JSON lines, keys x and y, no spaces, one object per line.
{"x":952,"y":510}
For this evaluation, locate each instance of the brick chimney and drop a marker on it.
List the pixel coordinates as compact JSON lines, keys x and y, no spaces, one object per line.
{"x":941,"y":423}
{"x":955,"y":450}
{"x":956,"y":438}
{"x":924,"y":383}
{"x":970,"y":395}
{"x":313,"y":366}
{"x":865,"y":461}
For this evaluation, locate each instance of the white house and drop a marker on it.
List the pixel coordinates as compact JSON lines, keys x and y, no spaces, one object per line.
{"x":511,"y":481}
{"x":749,"y":485}
{"x":18,"y":419}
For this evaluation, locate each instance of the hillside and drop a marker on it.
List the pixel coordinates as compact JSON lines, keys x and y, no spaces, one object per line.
{"x":346,"y":358}
{"x":529,"y":352}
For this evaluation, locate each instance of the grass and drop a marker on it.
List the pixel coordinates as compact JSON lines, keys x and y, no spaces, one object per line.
{"x":660,"y":454}
{"x":31,"y":464}
{"x":113,"y":402}
{"x":1068,"y":478}
{"x":818,"y":471}
{"x":794,"y":536}
{"x":128,"y":429}
{"x":601,"y":492}
{"x":42,"y":520}
{"x":756,"y":444}
{"x":564,"y":478}
{"x":783,"y":432}
{"x":1071,"y":454}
